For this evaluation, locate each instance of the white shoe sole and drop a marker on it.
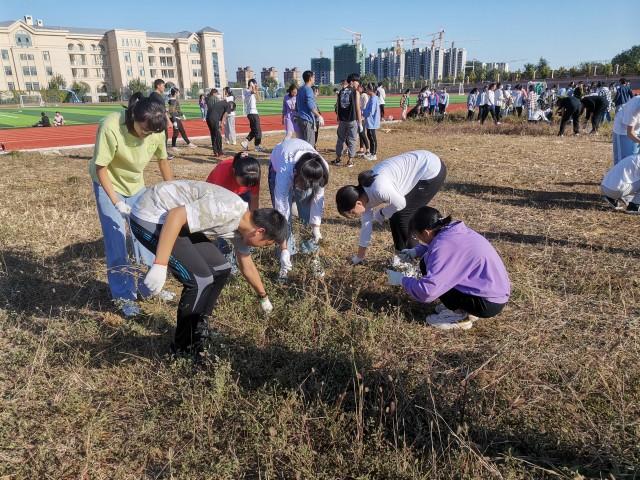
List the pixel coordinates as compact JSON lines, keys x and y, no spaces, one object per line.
{"x":464,"y":325}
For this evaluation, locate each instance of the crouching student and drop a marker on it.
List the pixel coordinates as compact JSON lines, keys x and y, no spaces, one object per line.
{"x":177,"y":221}
{"x":622,"y":182}
{"x":403,"y":183}
{"x":240,"y":175}
{"x":459,"y":267}
{"x":298,"y":173}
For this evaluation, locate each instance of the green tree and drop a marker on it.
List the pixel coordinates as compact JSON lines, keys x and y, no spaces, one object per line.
{"x":81,"y":89}
{"x":138,"y":85}
{"x":368,"y":78}
{"x":630,"y":59}
{"x":529,"y":71}
{"x":472,"y":76}
{"x":270,"y":84}
{"x":543,"y":68}
{"x":194,"y":91}
{"x":57,"y":82}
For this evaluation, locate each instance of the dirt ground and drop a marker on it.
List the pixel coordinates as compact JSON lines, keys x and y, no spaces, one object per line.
{"x":344,"y":380}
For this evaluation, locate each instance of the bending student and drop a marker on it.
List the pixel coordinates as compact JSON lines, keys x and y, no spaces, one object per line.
{"x":403,"y":183}
{"x":622,"y":182}
{"x":177,"y":220}
{"x":459,"y":267}
{"x":125,"y":143}
{"x":298,"y":173}
{"x":626,"y":130}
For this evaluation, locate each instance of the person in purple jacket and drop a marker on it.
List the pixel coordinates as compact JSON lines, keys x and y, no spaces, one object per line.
{"x":459,"y":267}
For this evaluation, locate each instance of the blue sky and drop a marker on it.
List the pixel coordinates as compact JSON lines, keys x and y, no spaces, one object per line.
{"x":287,"y":33}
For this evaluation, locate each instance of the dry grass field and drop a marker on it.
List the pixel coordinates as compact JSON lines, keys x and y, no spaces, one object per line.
{"x":344,"y":380}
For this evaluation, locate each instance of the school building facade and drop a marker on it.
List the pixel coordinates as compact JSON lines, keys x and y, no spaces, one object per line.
{"x":31,"y":53}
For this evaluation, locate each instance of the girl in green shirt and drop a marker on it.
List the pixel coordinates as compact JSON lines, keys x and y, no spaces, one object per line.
{"x":125,"y":143}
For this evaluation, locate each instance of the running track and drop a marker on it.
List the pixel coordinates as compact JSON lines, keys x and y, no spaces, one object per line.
{"x":68,"y":136}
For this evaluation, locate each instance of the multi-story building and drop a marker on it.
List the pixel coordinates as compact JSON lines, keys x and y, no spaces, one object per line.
{"x":293,"y":75}
{"x":321,"y":68}
{"x":31,"y":53}
{"x":347,"y":59}
{"x":243,"y":75}
{"x":454,"y":61}
{"x":270,"y":72}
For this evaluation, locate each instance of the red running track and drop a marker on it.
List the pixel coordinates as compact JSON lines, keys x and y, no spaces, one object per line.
{"x":67,"y":136}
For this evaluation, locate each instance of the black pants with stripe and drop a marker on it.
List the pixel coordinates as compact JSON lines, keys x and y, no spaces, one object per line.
{"x":201,"y":268}
{"x":255,"y":132}
{"x":420,"y":196}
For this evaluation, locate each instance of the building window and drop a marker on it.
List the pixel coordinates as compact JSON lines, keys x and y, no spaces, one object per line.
{"x":5,"y":54}
{"x":197,"y":73}
{"x":141,"y":71}
{"x":127,"y":57}
{"x":81,"y":47}
{"x":11,"y":86}
{"x":36,"y":86}
{"x":140,"y":57}
{"x":29,"y":71}
{"x":152,"y":72}
{"x":167,"y":50}
{"x":101,"y":47}
{"x":93,"y":47}
{"x":194,"y":48}
{"x":45,"y":56}
{"x":8,"y":72}
{"x":149,"y":49}
{"x":49,"y":70}
{"x":152,"y":61}
{"x":26,"y":56}
{"x":23,"y":39}
{"x":161,"y":50}
{"x":213,"y":43}
{"x":71,"y":46}
{"x":216,"y":69}
{"x":28,"y":86}
{"x":195,"y":62}
{"x":129,"y":72}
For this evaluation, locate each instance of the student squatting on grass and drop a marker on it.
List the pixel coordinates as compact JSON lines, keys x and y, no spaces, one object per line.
{"x":125,"y":143}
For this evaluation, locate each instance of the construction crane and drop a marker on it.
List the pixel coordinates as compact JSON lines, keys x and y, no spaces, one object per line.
{"x":440,"y":35}
{"x":399,"y":44}
{"x":357,"y":36}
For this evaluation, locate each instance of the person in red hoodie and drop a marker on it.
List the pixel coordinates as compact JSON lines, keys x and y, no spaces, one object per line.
{"x":241,"y":175}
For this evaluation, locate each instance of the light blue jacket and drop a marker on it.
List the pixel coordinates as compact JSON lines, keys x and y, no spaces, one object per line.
{"x":372,"y":113}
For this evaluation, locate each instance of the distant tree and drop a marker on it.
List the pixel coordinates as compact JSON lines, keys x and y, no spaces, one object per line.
{"x":368,"y":78}
{"x":472,"y":76}
{"x":81,"y":89}
{"x":561,"y":72}
{"x":194,"y":91}
{"x":529,"y":71}
{"x":57,"y":82}
{"x":138,"y":85}
{"x":543,"y":69}
{"x":630,"y":59}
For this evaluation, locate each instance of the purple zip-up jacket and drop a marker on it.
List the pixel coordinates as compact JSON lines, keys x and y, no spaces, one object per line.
{"x":460,"y":258}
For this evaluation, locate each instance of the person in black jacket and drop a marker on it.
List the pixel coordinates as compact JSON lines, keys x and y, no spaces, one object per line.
{"x":596,"y":106}
{"x":44,"y":121}
{"x":569,"y":108}
{"x":216,"y":110}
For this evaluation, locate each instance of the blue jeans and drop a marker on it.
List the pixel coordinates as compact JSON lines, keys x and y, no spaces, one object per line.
{"x":623,"y":146}
{"x":120,"y":273}
{"x":303,"y":202}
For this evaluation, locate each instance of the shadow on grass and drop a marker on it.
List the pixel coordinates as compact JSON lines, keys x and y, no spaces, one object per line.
{"x":528,"y":198}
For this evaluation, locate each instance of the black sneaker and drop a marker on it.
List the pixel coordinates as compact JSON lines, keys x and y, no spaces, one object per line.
{"x":611,"y":202}
{"x":633,"y":209}
{"x":337,"y":162}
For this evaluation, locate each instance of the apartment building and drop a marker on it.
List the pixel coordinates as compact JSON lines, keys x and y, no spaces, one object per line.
{"x":292,"y":75}
{"x":107,"y":60}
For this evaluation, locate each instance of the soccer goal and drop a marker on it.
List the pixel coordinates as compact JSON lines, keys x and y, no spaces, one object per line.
{"x":238,"y":94}
{"x":454,"y":88}
{"x":31,"y":100}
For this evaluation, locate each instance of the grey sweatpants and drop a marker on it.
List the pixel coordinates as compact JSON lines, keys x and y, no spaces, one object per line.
{"x":347,"y":132}
{"x":306,"y":131}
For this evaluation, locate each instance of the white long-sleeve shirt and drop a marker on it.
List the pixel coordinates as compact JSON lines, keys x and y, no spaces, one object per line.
{"x":491,"y":98}
{"x":250,"y":106}
{"x":284,"y":157}
{"x":395,"y":178}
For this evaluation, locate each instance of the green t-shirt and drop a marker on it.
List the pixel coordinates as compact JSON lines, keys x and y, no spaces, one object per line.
{"x":124,"y":155}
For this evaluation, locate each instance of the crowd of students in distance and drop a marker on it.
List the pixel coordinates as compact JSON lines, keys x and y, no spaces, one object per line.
{"x":198,"y":230}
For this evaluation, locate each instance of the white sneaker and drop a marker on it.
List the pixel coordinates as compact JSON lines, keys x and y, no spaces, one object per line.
{"x":166,"y":295}
{"x":260,"y":149}
{"x":129,"y":308}
{"x":371,"y":158}
{"x":192,"y":145}
{"x":244,"y":144}
{"x":450,"y":320}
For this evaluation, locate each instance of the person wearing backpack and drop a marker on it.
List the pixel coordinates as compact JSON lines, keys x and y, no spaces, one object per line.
{"x":349,"y":119}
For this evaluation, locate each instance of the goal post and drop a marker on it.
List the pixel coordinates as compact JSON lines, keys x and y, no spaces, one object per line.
{"x":31,"y":100}
{"x":238,"y":94}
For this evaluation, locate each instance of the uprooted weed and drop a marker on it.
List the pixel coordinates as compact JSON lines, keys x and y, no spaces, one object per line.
{"x":344,"y":380}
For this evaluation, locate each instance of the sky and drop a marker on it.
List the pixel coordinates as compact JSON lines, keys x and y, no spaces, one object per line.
{"x":283,"y":33}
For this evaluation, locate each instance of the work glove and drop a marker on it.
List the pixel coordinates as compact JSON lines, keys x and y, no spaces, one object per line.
{"x":360,"y":128}
{"x":356,"y":260}
{"x":378,"y":217}
{"x":123,"y":208}
{"x":315,"y":231}
{"x":394,"y":278}
{"x":320,"y":121}
{"x":408,"y":254}
{"x":285,"y":260}
{"x":175,"y":124}
{"x":266,"y":306}
{"x":156,"y":277}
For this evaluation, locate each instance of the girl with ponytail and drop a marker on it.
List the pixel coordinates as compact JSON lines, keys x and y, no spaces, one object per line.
{"x":125,"y":143}
{"x":459,"y":266}
{"x":401,"y":184}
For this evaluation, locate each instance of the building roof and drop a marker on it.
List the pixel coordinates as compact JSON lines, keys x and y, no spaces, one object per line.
{"x":102,"y":31}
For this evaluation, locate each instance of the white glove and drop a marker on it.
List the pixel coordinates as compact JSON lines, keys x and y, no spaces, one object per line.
{"x":315,"y":231}
{"x":360,"y":128}
{"x":175,"y":124}
{"x":266,"y":306}
{"x":156,"y":276}
{"x":394,"y":278}
{"x":285,"y":260}
{"x":123,"y":208}
{"x":356,"y":260}
{"x":408,"y":254}
{"x":378,"y":217}
{"x":320,"y":121}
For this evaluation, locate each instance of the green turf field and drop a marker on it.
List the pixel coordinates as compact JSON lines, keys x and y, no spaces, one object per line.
{"x":93,"y":113}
